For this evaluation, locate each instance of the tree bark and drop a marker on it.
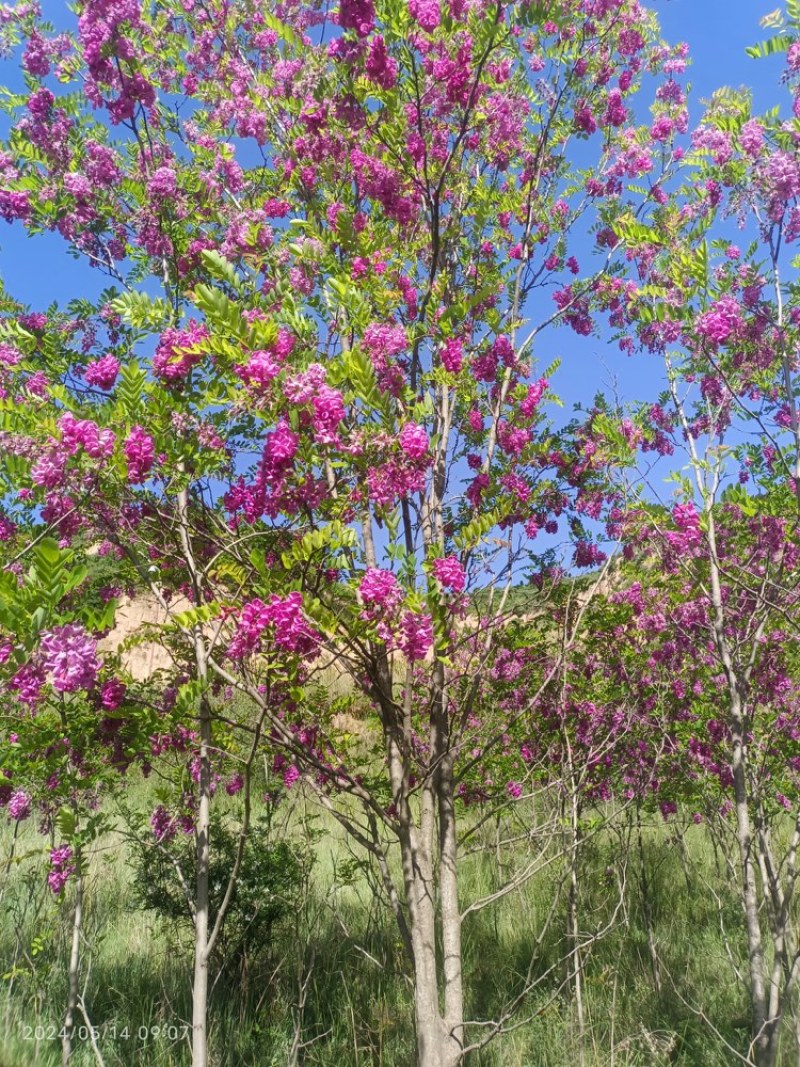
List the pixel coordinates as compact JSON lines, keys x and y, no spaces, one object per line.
{"x":450,"y":917}
{"x":439,"y":1035}
{"x":764,"y":1026}
{"x":201,"y":918}
{"x":764,"y":1023}
{"x":203,"y":820}
{"x":74,"y":965}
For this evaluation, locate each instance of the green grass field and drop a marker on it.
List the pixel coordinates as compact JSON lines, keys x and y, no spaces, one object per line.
{"x":330,"y":988}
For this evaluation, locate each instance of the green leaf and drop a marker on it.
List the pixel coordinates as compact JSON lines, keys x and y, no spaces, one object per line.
{"x":219,"y":267}
{"x":324,"y":541}
{"x":474,"y":532}
{"x":189,"y":696}
{"x":459,"y":311}
{"x":130,"y":390}
{"x":47,"y":551}
{"x":779,"y":43}
{"x":203,"y":613}
{"x":66,"y":822}
{"x":222,"y":312}
{"x":143,"y":312}
{"x":633,"y":232}
{"x":361,"y":374}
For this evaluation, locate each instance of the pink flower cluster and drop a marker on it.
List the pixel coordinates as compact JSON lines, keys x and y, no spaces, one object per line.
{"x":416,"y":635}
{"x":426,"y":13}
{"x":264,"y":365}
{"x":382,"y":596}
{"x":383,"y":343}
{"x":534,"y":396}
{"x":328,"y":413}
{"x":69,"y":654}
{"x":77,"y":434}
{"x":284,"y":617}
{"x":392,"y":480}
{"x":782,"y":182}
{"x":48,"y":470}
{"x":280,"y":448}
{"x":175,"y":356}
{"x":140,"y":453}
{"x":688,"y":535}
{"x":260,"y":370}
{"x":452,"y":355}
{"x":19,"y":805}
{"x":327,"y":406}
{"x":413,"y":441}
{"x":234,"y":785}
{"x":27,"y":683}
{"x":60,"y":868}
{"x":449,"y":573}
{"x":720,"y":321}
{"x":380,"y":590}
{"x":616,"y":113}
{"x":379,"y":65}
{"x":101,"y":36}
{"x":358,"y":15}
{"x":588,"y":555}
{"x":112,"y":693}
{"x":102,"y":372}
{"x":162,"y":184}
{"x":751,"y":137}
{"x":163,"y":825}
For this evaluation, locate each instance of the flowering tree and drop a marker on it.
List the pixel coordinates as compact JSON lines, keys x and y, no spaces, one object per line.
{"x":725,"y":323}
{"x":308,"y":403}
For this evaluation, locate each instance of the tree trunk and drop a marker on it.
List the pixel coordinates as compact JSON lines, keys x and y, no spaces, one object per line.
{"x":575,"y":959}
{"x":453,"y":1035}
{"x":764,"y":1029}
{"x":203,"y":821}
{"x":765,"y":1023}
{"x":439,"y":1041}
{"x":201,"y":918}
{"x":439,"y":1035}
{"x":74,"y":965}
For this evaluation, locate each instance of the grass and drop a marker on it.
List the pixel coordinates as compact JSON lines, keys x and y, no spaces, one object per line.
{"x":333,"y":980}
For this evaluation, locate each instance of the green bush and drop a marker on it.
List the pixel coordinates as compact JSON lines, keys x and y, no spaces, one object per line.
{"x":270,"y":877}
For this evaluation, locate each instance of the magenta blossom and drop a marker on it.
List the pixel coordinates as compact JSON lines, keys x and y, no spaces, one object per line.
{"x":69,"y":653}
{"x":112,"y":693}
{"x":450,"y":574}
{"x":140,"y":453}
{"x":163,"y":825}
{"x":19,"y":805}
{"x":102,"y":372}
{"x":452,"y":355}
{"x":291,"y":776}
{"x":176,"y":353}
{"x":234,"y":785}
{"x":284,"y":617}
{"x":416,"y":635}
{"x":60,"y":868}
{"x":720,"y":321}
{"x":413,"y":440}
{"x":380,"y":589}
